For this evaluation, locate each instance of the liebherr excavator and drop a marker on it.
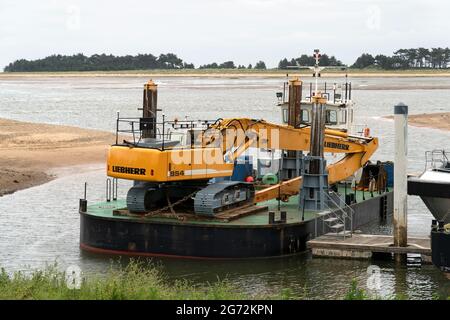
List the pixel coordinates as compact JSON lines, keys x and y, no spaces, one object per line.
{"x":167,"y":173}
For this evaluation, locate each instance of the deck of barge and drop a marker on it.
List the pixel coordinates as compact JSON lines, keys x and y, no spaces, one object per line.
{"x":293,"y":214}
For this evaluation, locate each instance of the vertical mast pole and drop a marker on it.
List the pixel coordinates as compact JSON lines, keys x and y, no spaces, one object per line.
{"x":400,"y":179}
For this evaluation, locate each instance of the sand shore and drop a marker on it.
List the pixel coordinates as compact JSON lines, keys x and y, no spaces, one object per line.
{"x":431,"y":120}
{"x":29,"y":152}
{"x":439,"y":120}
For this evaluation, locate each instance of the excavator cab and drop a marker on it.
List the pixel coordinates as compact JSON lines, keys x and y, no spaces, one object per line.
{"x":339,"y":108}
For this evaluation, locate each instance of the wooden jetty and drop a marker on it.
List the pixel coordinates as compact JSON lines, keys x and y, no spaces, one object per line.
{"x":364,"y":246}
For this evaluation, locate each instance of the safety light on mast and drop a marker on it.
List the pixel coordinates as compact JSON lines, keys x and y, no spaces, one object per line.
{"x":317,"y":69}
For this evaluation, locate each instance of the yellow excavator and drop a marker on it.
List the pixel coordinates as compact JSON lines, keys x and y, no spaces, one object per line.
{"x":168,"y":173}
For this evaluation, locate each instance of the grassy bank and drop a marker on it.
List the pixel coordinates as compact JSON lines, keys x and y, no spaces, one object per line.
{"x":276,"y":73}
{"x":134,"y":282}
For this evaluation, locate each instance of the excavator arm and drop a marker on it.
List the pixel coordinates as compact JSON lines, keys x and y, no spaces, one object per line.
{"x":249,"y":132}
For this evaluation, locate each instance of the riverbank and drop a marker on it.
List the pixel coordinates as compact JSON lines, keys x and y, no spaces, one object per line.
{"x":429,"y":120}
{"x":231,"y":73}
{"x":138,"y":281}
{"x":30,"y":152}
{"x":133,"y":282}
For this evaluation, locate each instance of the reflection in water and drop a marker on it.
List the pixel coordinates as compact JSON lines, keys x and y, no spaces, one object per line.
{"x":41,"y":225}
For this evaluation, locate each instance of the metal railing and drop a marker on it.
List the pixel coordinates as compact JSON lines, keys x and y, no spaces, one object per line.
{"x":111,"y":189}
{"x":437,"y":159}
{"x":339,"y":215}
{"x":164,"y":131}
{"x":334,"y":92}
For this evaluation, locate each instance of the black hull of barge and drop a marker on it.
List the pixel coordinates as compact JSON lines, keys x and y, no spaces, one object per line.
{"x":180,"y":239}
{"x":112,"y":236}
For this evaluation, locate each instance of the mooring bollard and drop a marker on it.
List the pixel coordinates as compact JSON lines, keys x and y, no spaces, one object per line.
{"x":83,"y":202}
{"x":83,"y":205}
{"x":400,"y":179}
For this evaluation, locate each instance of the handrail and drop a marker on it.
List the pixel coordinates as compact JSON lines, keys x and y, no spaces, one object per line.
{"x":163,"y":130}
{"x":345,"y":215}
{"x":345,"y":205}
{"x":435,"y":157}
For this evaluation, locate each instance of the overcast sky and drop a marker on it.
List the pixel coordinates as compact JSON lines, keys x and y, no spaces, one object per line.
{"x":203,"y":31}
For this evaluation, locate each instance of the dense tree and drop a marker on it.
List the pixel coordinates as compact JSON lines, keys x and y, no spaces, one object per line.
{"x":384,"y":62}
{"x":436,"y":58}
{"x":260,"y":65}
{"x":214,"y":65}
{"x":188,"y":65}
{"x":227,"y":65}
{"x":305,"y":60}
{"x":423,"y":55}
{"x":283,"y":64}
{"x":364,"y":61}
{"x":308,"y":60}
{"x":169,"y":61}
{"x":102,"y":62}
{"x":326,"y":60}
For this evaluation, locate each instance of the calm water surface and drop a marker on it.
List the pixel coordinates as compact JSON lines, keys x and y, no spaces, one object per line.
{"x":40,"y":225}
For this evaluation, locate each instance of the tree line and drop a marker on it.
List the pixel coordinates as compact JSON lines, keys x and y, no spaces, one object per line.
{"x":435,"y":58}
{"x":102,"y":62}
{"x":261,"y":65}
{"x":308,"y":60}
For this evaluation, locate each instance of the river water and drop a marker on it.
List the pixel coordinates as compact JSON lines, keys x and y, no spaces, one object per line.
{"x":40,"y":225}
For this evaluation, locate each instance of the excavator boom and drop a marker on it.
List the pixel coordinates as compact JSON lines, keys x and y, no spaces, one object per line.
{"x":358,"y":150}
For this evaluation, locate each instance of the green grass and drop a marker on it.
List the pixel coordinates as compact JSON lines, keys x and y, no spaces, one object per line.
{"x":136,"y":281}
{"x":356,"y":293}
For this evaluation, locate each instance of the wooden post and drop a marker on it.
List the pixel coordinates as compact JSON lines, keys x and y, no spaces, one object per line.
{"x":294,"y":108}
{"x":150,"y":110}
{"x":295,"y":97}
